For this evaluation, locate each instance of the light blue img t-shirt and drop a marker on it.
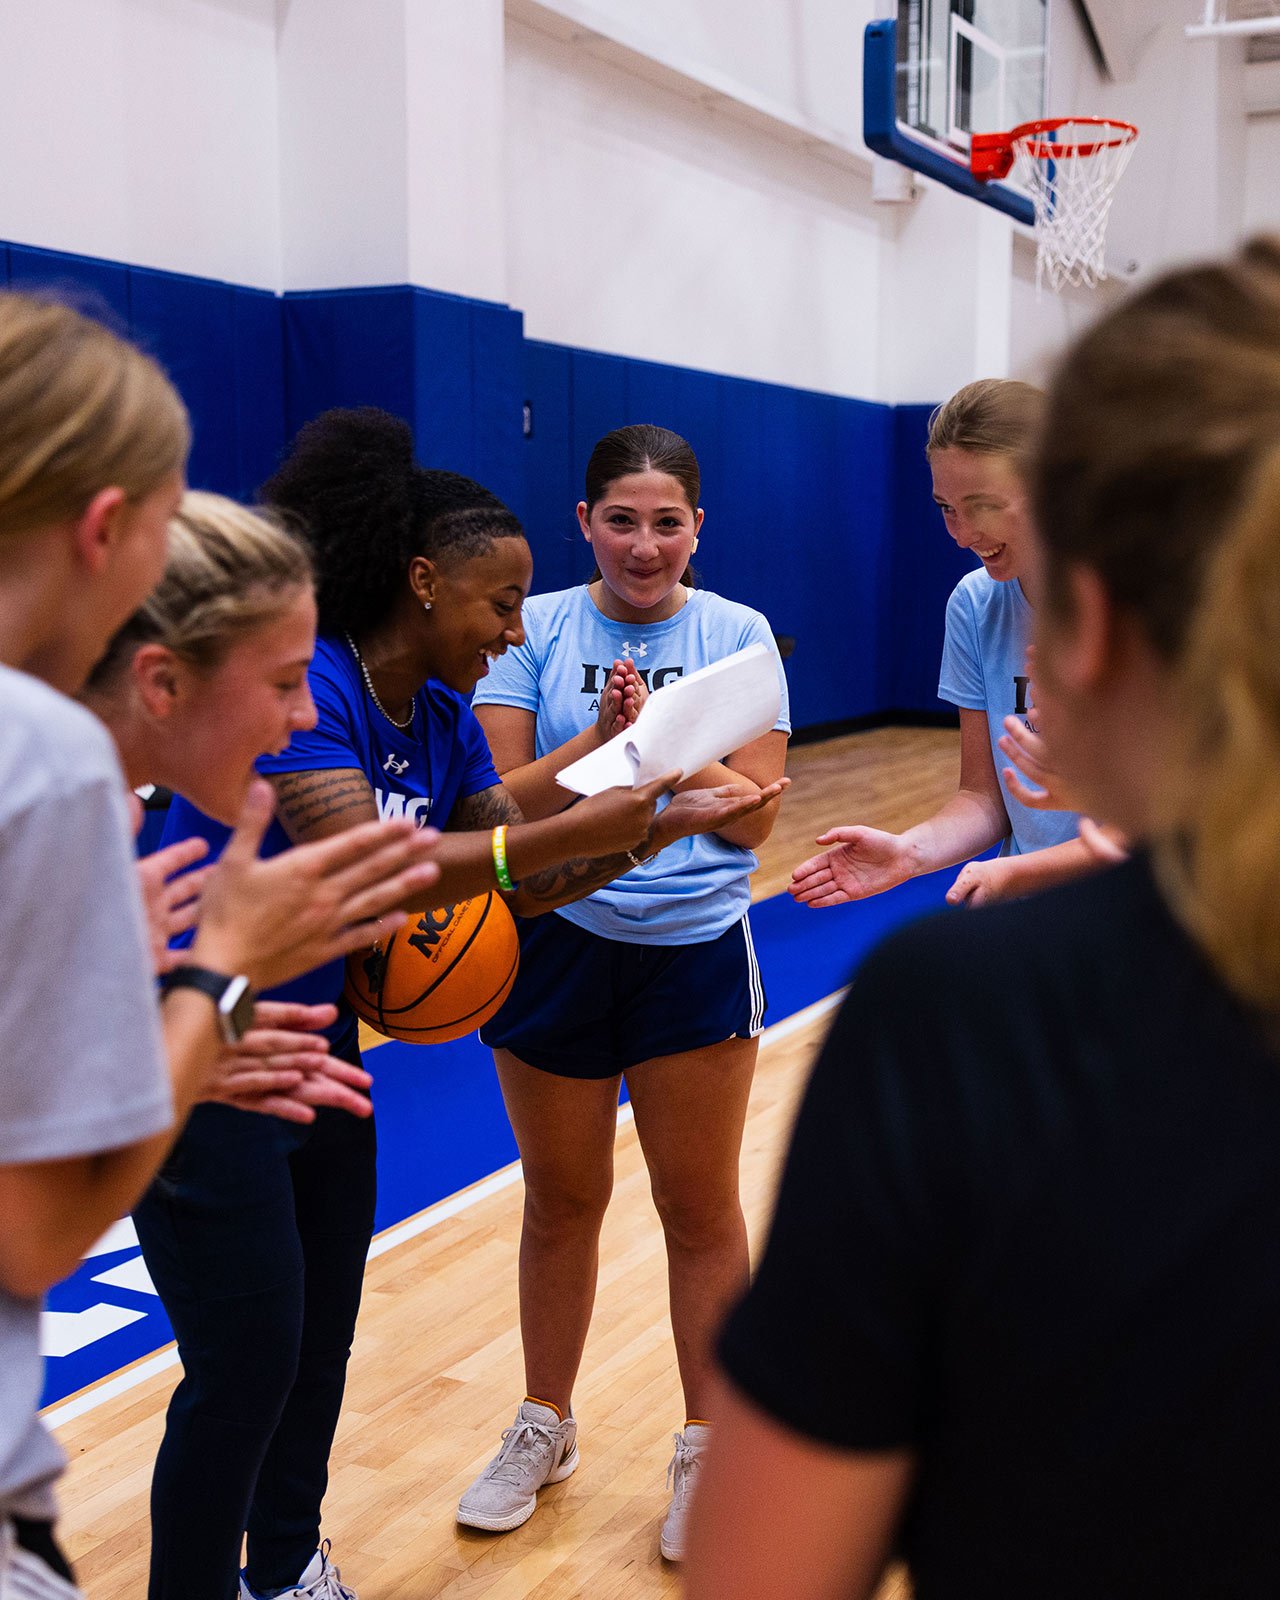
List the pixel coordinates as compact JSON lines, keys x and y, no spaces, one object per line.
{"x":984,"y":668}
{"x":696,"y":888}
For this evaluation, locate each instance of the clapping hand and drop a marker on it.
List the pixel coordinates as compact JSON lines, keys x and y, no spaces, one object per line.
{"x":283,"y":1067}
{"x":621,"y":700}
{"x":171,"y":897}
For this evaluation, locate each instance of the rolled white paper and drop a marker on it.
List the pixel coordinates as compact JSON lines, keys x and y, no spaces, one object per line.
{"x":686,"y":724}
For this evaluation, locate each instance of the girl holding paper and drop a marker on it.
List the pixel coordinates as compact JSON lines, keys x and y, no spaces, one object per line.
{"x":652,"y":978}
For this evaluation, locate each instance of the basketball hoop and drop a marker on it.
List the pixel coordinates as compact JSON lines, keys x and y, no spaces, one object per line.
{"x":1070,"y":167}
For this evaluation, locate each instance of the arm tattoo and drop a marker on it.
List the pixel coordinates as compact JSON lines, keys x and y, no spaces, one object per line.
{"x":571,"y":880}
{"x":307,"y":799}
{"x":476,"y":813}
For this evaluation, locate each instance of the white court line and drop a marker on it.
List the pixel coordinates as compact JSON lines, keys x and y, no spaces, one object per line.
{"x":454,"y":1205}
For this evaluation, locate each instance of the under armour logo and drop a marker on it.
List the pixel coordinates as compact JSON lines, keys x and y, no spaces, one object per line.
{"x":641,"y":650}
{"x":394,"y":765}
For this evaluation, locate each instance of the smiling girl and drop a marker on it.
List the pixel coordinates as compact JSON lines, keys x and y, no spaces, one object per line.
{"x":653,"y":979}
{"x":977,"y":442}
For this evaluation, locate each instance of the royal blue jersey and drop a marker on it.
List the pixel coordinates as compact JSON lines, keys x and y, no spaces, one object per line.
{"x":420,"y":772}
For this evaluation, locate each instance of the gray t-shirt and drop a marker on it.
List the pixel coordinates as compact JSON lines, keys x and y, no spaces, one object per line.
{"x":81,"y":1060}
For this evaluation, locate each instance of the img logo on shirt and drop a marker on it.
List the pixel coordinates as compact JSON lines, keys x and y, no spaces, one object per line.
{"x":393,"y":806}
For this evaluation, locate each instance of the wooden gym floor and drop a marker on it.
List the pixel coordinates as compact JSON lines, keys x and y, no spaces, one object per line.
{"x":436,"y":1370}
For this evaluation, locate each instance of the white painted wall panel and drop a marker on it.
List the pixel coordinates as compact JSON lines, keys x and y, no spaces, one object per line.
{"x":143,"y":131}
{"x":641,"y":223}
{"x":1262,"y":175}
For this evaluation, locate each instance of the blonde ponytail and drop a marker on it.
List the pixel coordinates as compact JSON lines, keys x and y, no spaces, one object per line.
{"x":1219,"y":855}
{"x":229,"y":571}
{"x":990,"y":417}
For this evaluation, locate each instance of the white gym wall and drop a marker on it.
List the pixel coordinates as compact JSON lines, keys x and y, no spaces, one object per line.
{"x":681,"y":180}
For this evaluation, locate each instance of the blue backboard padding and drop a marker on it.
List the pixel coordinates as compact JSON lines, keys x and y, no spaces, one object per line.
{"x":441,"y":1122}
{"x":885,"y":135}
{"x":98,"y":288}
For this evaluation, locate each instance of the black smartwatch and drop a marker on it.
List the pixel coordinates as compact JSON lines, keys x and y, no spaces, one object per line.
{"x":233,"y":997}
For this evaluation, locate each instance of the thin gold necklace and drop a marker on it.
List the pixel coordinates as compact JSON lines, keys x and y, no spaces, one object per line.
{"x":373,"y":693}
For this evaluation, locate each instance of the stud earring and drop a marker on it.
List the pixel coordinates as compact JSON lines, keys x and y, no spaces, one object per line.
{"x":426,"y":605}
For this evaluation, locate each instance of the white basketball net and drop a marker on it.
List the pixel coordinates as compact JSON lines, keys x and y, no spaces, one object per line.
{"x":1071,"y":179}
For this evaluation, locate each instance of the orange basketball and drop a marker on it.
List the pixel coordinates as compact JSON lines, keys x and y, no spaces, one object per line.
{"x":440,"y":976}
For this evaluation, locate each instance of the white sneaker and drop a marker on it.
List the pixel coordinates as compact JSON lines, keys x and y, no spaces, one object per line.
{"x":537,"y":1449}
{"x":681,"y":1474}
{"x":321,"y":1580}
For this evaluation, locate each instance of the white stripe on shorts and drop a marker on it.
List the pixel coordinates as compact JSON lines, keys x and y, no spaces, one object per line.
{"x":755,"y":982}
{"x":24,"y":1576}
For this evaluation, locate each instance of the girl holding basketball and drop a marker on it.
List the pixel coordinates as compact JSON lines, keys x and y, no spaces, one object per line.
{"x":976,"y":444}
{"x":258,"y":1231}
{"x":652,"y":980}
{"x":1018,"y":1316}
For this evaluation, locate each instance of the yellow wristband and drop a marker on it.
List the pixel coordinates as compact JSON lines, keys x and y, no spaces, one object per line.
{"x":499,"y":846}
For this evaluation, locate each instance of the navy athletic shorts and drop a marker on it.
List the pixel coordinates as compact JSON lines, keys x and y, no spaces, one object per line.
{"x":588,"y":1007}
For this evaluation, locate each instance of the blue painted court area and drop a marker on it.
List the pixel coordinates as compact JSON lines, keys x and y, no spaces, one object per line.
{"x":441,"y":1127}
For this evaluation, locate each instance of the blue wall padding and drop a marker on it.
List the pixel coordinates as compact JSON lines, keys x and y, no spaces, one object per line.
{"x":818,"y":507}
{"x":188,"y":324}
{"x":926,"y":566}
{"x":98,"y":288}
{"x":348,"y":347}
{"x":499,"y":454}
{"x":451,"y":367}
{"x":443,"y":418}
{"x":797,"y":492}
{"x":258,"y":334}
{"x":552,"y":487}
{"x":441,"y":1122}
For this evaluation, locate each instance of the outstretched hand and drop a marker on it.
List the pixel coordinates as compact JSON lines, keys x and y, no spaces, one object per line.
{"x":861,"y":862}
{"x":276,"y":919}
{"x":618,"y":819}
{"x":695,"y":811}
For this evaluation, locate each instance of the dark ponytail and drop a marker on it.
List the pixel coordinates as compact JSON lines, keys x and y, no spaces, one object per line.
{"x":366,"y":508}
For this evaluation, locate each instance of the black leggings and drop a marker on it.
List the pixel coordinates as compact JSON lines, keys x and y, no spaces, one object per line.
{"x":255,"y":1234}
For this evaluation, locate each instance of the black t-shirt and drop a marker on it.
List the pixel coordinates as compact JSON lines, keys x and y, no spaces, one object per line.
{"x":1029,"y":1228}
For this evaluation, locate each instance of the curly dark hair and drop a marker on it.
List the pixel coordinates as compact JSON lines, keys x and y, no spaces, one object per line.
{"x":366,"y":507}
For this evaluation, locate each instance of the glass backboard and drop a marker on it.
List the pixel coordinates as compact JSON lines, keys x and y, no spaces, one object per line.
{"x":945,"y":69}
